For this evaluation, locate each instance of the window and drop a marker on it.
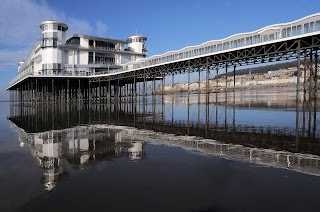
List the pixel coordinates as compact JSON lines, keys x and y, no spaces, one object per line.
{"x":294,"y":31}
{"x":299,"y":30}
{"x":311,"y":27}
{"x":265,"y":38}
{"x":75,"y":40}
{"x":226,"y":46}
{"x":288,"y":32}
{"x":235,"y":43}
{"x":317,"y":26}
{"x":90,"y":59}
{"x":219,"y":47}
{"x":284,"y":33}
{"x":306,"y":28}
{"x":248,"y":40}
{"x":271,"y":37}
{"x":49,"y":42}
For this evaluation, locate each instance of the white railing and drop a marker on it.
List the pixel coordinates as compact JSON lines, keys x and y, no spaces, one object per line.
{"x":271,"y":33}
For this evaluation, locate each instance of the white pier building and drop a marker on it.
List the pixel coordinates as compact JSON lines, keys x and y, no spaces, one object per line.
{"x":79,"y":55}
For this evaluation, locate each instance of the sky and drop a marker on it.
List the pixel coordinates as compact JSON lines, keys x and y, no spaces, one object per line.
{"x":168,"y":24}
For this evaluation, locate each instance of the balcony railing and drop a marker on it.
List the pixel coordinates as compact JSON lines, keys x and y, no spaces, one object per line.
{"x":104,"y":48}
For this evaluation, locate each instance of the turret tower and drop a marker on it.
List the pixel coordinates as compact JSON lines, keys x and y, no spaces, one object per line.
{"x":53,"y":34}
{"x":137,"y":43}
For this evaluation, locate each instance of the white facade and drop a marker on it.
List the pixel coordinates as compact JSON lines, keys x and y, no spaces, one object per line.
{"x":79,"y":55}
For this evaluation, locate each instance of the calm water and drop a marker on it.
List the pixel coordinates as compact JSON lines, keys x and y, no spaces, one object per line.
{"x":255,"y":150}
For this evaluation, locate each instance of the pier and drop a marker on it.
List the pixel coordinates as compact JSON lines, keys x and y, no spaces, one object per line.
{"x":117,"y":82}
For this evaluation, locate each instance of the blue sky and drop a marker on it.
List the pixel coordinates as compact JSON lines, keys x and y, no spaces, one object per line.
{"x":168,"y":24}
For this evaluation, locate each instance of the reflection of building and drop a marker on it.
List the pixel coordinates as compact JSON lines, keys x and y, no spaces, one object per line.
{"x":136,"y":151}
{"x":78,"y":147}
{"x":46,"y":150}
{"x":83,"y":146}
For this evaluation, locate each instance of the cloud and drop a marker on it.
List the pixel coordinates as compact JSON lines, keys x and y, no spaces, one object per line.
{"x":19,"y":28}
{"x":9,"y":58}
{"x":101,"y":28}
{"x":19,"y":21}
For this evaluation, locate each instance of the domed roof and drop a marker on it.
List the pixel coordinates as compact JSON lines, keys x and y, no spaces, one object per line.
{"x":137,"y":36}
{"x":54,"y":22}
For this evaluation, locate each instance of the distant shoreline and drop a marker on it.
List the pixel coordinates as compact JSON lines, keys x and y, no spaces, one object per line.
{"x":222,"y":89}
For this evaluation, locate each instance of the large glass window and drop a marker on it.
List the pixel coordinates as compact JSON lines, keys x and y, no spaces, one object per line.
{"x":105,"y":45}
{"x":104,"y":59}
{"x":49,"y":42}
{"x":90,"y":59}
{"x":74,"y":40}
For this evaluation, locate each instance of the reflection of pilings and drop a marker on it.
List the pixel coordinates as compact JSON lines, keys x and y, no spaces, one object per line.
{"x":207,"y":97}
{"x":297,"y":119}
{"x":226,"y":78}
{"x":316,"y":68}
{"x":172,"y":100}
{"x":315,"y":114}
{"x":298,"y":66}
{"x":204,"y":127}
{"x":188,"y":95}
{"x":304,"y":71}
{"x":234,"y":78}
{"x":162,"y":97}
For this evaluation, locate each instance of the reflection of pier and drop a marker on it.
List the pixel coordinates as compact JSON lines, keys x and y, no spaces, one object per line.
{"x":215,"y":120}
{"x":77,"y":147}
{"x":130,"y":141}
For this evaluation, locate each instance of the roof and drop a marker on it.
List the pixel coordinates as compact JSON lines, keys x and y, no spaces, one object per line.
{"x":98,"y":38}
{"x":137,"y":36}
{"x":54,"y":22}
